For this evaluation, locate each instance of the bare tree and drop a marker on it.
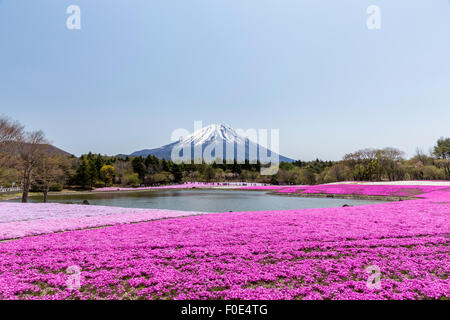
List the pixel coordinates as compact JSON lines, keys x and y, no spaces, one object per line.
{"x":50,"y":171}
{"x":363,"y":164}
{"x":32,"y":149}
{"x":10,"y":133}
{"x":390,"y":163}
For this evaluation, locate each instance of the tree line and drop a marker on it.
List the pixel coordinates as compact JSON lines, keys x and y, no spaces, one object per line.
{"x":95,"y":170}
{"x":27,"y":159}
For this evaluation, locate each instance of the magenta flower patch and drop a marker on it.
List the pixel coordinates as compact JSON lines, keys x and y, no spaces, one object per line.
{"x":299,"y":254}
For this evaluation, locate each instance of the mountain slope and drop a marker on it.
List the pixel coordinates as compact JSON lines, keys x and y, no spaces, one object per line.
{"x":48,"y":149}
{"x":57,"y":151}
{"x":210,"y":139}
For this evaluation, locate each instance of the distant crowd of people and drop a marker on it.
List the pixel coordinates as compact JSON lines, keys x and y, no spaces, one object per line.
{"x":11,"y":189}
{"x":252,"y":184}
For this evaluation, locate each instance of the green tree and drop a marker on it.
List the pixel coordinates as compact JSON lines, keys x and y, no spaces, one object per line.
{"x":107,"y":174}
{"x":442,"y":148}
{"x":93,"y":173}
{"x":442,"y":152}
{"x":82,"y":174}
{"x":131,"y":179}
{"x":177,"y":174}
{"x":210,"y":173}
{"x":138,"y":164}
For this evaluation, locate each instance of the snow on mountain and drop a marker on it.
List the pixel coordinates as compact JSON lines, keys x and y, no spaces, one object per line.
{"x":210,"y":137}
{"x":213,"y":133}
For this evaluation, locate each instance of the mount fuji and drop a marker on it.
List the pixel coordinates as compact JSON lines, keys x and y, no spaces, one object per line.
{"x":210,"y":139}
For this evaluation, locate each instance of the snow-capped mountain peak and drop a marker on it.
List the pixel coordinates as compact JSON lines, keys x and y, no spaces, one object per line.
{"x":213,"y":133}
{"x":209,"y":138}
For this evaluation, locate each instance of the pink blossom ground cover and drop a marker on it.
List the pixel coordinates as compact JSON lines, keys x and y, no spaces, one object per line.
{"x":354,"y":189}
{"x":298,"y":254}
{"x":20,"y":220}
{"x":264,"y":188}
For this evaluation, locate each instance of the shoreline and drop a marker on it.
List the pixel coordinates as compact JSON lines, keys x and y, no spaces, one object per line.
{"x":347,"y":196}
{"x":268,"y":191}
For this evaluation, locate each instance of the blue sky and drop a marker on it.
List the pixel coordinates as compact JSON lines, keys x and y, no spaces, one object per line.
{"x":138,"y":69}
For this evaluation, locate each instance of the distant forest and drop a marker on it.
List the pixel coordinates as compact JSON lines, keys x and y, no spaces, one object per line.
{"x":27,"y":159}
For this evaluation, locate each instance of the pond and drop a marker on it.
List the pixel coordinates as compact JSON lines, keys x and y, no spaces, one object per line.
{"x":203,"y":200}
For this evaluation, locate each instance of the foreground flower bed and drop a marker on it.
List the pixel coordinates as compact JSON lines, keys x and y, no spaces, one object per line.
{"x":19,"y":220}
{"x":300,"y":254}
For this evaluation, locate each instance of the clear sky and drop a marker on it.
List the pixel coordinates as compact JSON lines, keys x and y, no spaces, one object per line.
{"x":139,"y":69}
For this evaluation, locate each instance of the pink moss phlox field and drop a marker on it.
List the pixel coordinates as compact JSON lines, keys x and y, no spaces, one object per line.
{"x":268,"y":188}
{"x":353,"y":189}
{"x":297,"y":254}
{"x":20,"y":220}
